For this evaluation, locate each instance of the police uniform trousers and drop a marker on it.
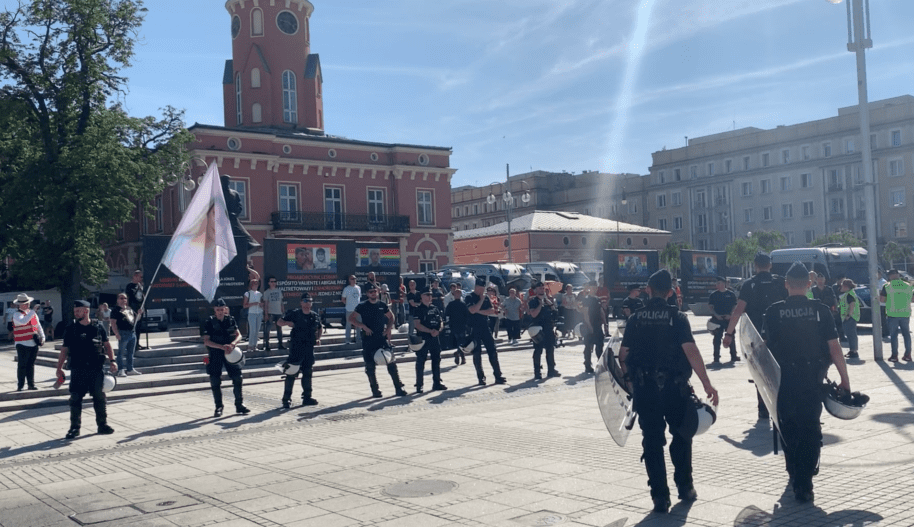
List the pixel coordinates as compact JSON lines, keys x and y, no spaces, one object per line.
{"x":432,"y":347}
{"x":371,"y":344}
{"x":548,"y":344}
{"x":303,"y":355}
{"x":657,"y":407}
{"x":482,"y":337}
{"x":87,"y":381}
{"x":214,"y":370}
{"x":593,"y":343}
{"x":25,"y":365}
{"x":801,"y":430}
{"x":718,"y":340}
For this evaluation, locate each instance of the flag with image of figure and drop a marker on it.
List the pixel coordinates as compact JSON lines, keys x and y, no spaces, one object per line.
{"x":203,"y":243}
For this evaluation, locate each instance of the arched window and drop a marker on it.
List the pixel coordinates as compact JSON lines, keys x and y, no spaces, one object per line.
{"x":256,"y":23}
{"x":289,"y":99}
{"x":255,"y":78}
{"x":238,"y":97}
{"x":256,"y":113}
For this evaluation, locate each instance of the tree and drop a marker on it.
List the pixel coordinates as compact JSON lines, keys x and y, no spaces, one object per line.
{"x":894,"y":252}
{"x":73,"y":163}
{"x":769,"y":240}
{"x":670,"y":255}
{"x":741,"y":251}
{"x":843,"y":236}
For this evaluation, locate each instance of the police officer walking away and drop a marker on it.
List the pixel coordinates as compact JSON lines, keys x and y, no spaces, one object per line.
{"x":756,"y":295}
{"x":376,"y":324}
{"x":480,"y":307}
{"x":306,"y":333}
{"x":86,"y":344}
{"x":658,"y":354}
{"x":544,"y":312}
{"x":802,"y":338}
{"x":592,"y":311}
{"x":722,"y":301}
{"x":221,"y":335}
{"x":428,"y":324}
{"x":897,"y":295}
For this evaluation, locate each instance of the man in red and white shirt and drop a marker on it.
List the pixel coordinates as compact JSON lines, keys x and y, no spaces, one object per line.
{"x":29,"y":336}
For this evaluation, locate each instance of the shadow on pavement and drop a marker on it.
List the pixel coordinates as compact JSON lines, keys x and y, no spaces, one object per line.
{"x":253,"y":418}
{"x":170,"y":429}
{"x":45,"y":446}
{"x":788,"y":511}
{"x":581,"y":377}
{"x":678,"y":515}
{"x":359,"y":403}
{"x":526,"y":385}
{"x":896,"y":380}
{"x":758,"y":440}
{"x":453,"y":394}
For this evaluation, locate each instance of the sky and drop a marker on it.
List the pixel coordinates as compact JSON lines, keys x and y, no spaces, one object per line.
{"x":556,"y":85}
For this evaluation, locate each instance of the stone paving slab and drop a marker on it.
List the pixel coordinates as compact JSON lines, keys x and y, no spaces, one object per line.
{"x":518,"y":454}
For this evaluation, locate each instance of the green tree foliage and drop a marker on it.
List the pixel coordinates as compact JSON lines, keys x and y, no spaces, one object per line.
{"x":73,"y":163}
{"x":844,"y":237}
{"x":769,"y":240}
{"x":741,"y":251}
{"x":670,"y":255}
{"x":894,"y":252}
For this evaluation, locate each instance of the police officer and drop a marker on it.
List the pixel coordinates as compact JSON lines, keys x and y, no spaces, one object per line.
{"x":480,"y":308}
{"x":544,"y":312}
{"x":897,"y":295}
{"x":428,"y":324}
{"x":376,"y":324}
{"x":658,"y":355}
{"x":306,"y":333}
{"x":456,"y":315}
{"x":802,"y":338}
{"x":722,"y":301}
{"x":633,"y":301}
{"x":755,"y":296}
{"x":86,"y":344}
{"x":593,"y":315}
{"x":221,"y":335}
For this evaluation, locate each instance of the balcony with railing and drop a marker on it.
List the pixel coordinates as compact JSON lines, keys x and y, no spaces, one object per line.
{"x":333,"y":221}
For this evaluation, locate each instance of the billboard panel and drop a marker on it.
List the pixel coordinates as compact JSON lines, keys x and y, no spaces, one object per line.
{"x":698,"y":271}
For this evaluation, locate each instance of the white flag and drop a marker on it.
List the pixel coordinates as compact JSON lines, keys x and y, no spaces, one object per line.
{"x":203,"y":243}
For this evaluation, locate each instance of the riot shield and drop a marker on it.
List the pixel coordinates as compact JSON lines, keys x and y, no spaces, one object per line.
{"x":765,"y":370}
{"x":613,"y":395}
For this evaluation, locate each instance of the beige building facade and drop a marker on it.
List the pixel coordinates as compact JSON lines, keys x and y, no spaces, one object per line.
{"x":804,"y":180}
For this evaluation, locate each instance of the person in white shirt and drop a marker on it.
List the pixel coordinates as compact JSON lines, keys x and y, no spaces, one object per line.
{"x":449,"y":297}
{"x":272,"y":301}
{"x":253,"y":302}
{"x":29,"y":337}
{"x":352,"y":295}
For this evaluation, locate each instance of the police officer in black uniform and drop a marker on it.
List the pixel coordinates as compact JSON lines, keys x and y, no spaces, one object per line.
{"x":755,"y":296}
{"x":221,"y":335}
{"x":306,"y":333}
{"x":633,"y":301}
{"x":544,"y":313}
{"x":428,"y":324}
{"x":86,"y":344}
{"x":456,"y":316}
{"x":658,"y":355}
{"x":376,"y":324}
{"x":722,"y":302}
{"x":803,"y":340}
{"x":592,"y":310}
{"x":480,"y":308}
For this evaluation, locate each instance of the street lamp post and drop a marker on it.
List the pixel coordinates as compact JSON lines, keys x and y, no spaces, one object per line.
{"x":509,"y":204}
{"x":619,"y":215}
{"x":858,"y":40}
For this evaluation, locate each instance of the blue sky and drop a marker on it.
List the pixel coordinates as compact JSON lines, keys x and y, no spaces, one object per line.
{"x":538,"y":83}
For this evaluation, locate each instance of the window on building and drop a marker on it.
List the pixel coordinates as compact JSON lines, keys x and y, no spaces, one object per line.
{"x":710,"y":169}
{"x":158,"y":214}
{"x":872,"y":142}
{"x":428,"y":266}
{"x":746,"y":163}
{"x":835,"y":181}
{"x":677,"y":223}
{"x":806,"y":155}
{"x":747,"y":188}
{"x":256,"y":113}
{"x":807,"y":209}
{"x":728,"y":165}
{"x":238,"y":108}
{"x":255,"y":78}
{"x":241,"y":187}
{"x":256,"y":23}
{"x":785,"y":184}
{"x":677,"y":198}
{"x":661,"y":201}
{"x":767,"y":214}
{"x":785,"y":156}
{"x":700,"y":199}
{"x":849,"y":146}
{"x":765,"y":159}
{"x":333,"y":208}
{"x":723,"y":222}
{"x":898,"y":197}
{"x":720,"y":195}
{"x":806,"y":180}
{"x":476,"y":208}
{"x":661,"y":177}
{"x":826,"y":149}
{"x":747,"y":215}
{"x":288,"y":202}
{"x":810,"y":235}
{"x":787,"y":211}
{"x":701,"y":226}
{"x":376,"y":205}
{"x":425,"y":212}
{"x":693,"y":171}
{"x":788,"y":237}
{"x":661,"y":224}
{"x":466,"y":210}
{"x":474,"y":224}
{"x":632,"y":207}
{"x":289,"y":98}
{"x":896,"y":167}
{"x":896,"y":137}
{"x":837,"y":205}
{"x":858,"y":174}
{"x":677,"y":174}
{"x":901,"y":229}
{"x":766,"y":186}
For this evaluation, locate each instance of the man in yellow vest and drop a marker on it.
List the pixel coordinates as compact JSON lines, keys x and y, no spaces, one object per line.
{"x":849,"y":306}
{"x":898,"y":295}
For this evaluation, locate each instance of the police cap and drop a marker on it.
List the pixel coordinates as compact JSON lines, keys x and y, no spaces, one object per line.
{"x":480,"y":282}
{"x":427,"y":291}
{"x":81,"y":303}
{"x":798,"y":271}
{"x":306,"y":297}
{"x":722,"y":279}
{"x":662,"y":280}
{"x":535,"y":284}
{"x":370,"y":286}
{"x":632,"y":287}
{"x":220,"y":302}
{"x":890,"y":272}
{"x":762,"y":258}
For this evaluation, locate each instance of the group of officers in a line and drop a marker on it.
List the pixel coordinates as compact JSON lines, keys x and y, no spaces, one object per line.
{"x":657,"y":355}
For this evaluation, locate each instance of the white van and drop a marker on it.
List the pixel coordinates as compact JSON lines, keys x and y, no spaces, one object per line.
{"x":564,"y":272}
{"x":594,"y":270}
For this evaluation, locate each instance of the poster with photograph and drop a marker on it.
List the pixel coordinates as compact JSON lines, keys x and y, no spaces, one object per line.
{"x":311,"y":258}
{"x":633,"y":265}
{"x":377,"y":258}
{"x":704,"y":264}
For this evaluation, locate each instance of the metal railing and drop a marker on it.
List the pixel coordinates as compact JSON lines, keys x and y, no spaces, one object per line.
{"x":334,"y":221}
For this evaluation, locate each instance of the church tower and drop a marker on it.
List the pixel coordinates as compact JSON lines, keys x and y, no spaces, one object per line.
{"x":273,"y":80}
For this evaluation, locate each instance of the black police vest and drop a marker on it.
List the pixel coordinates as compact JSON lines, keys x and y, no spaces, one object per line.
{"x":653,"y":335}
